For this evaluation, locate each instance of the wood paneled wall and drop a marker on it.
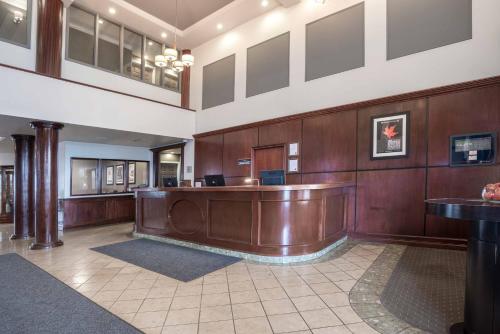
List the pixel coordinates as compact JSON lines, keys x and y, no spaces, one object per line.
{"x":390,"y":193}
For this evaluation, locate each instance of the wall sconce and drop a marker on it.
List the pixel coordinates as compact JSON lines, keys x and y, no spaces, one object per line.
{"x":18,"y":17}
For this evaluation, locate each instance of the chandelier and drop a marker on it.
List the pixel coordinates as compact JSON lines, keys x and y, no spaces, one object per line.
{"x":170,"y":57}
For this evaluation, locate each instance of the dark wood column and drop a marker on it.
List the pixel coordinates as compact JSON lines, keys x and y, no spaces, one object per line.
{"x":46,"y":144}
{"x":185,"y":82}
{"x":49,"y":37}
{"x":24,"y":187}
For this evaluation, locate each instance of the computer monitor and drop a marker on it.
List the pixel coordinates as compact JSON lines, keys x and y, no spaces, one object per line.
{"x":214,"y":180}
{"x":170,"y":182}
{"x":272,"y":177}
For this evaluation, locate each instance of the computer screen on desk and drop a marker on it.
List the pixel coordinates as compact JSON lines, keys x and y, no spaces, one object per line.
{"x":272,"y":177}
{"x":214,"y":181}
{"x":170,"y":182}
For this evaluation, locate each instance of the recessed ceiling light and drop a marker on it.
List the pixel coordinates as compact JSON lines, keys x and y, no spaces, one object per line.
{"x":264,"y":3}
{"x":112,"y":11}
{"x":2,"y":138}
{"x":101,"y":21}
{"x":150,"y":43}
{"x":163,"y":35}
{"x":321,"y":2}
{"x":219,"y":26}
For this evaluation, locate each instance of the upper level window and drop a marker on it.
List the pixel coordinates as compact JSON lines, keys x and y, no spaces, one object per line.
{"x":96,"y":41}
{"x":15,"y":19}
{"x":81,"y":35}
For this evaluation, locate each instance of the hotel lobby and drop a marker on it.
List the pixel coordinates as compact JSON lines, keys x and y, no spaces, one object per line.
{"x":250,"y":166}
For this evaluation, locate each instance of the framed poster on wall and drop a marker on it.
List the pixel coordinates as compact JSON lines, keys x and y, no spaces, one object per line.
{"x":110,"y":178}
{"x":131,"y":173}
{"x":389,"y":136}
{"x":119,"y":174}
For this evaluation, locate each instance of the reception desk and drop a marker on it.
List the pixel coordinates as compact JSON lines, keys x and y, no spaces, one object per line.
{"x":265,"y":220}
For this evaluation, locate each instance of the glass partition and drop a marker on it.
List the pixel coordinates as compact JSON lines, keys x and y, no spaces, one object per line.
{"x":132,"y":54}
{"x":81,"y":35}
{"x":109,"y":46}
{"x":15,"y":19}
{"x":152,"y":74}
{"x":84,"y":177}
{"x":113,"y":177}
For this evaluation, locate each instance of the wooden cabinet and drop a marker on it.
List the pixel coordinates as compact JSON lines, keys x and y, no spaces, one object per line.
{"x":97,"y":210}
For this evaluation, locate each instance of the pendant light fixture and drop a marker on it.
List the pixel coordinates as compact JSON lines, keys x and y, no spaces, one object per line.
{"x":170,"y":57}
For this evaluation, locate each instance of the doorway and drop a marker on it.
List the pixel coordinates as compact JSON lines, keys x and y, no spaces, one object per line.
{"x":168,"y":164}
{"x":6,"y":194}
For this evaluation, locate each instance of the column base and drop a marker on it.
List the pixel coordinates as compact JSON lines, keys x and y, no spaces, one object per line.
{"x":458,"y":328}
{"x":21,"y":237}
{"x":37,"y":246}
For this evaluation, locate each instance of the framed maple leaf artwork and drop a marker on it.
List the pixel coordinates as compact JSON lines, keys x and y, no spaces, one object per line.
{"x":389,"y":136}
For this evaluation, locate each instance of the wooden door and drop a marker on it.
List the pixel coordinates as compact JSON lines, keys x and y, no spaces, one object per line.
{"x":268,"y":158}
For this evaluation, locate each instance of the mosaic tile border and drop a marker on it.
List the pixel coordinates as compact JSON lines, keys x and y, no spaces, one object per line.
{"x":242,"y":255}
{"x":365,"y":295}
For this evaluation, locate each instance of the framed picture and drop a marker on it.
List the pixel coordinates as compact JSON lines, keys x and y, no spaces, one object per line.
{"x":110,"y":177}
{"x":131,"y":173}
{"x":389,"y":136}
{"x":119,"y":174}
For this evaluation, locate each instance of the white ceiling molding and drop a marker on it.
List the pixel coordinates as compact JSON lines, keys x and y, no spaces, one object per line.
{"x":67,"y":3}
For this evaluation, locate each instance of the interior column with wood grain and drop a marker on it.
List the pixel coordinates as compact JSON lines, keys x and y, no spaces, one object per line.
{"x":24,"y":187}
{"x":46,"y":147}
{"x":49,"y":37}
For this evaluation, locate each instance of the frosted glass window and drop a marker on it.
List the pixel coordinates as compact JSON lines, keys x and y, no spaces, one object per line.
{"x":152,"y":74}
{"x":109,"y":46}
{"x":81,"y":35}
{"x":15,"y":18}
{"x":132,"y":54}
{"x":84,"y":177}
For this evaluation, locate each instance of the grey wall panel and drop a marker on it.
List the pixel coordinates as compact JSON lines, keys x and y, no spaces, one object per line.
{"x":419,"y":25}
{"x":268,"y":65}
{"x":336,"y":43}
{"x":218,"y":82}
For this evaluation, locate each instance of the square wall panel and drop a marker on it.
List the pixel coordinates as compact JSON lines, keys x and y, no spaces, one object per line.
{"x":268,"y":65}
{"x":218,"y":82}
{"x":336,"y":43}
{"x":419,"y":25}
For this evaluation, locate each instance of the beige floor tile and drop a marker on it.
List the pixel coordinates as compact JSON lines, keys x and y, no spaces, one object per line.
{"x":266,"y":283}
{"x":124,"y":277}
{"x":346,"y":285}
{"x":258,"y":325}
{"x":149,"y":319}
{"x":182,"y":317}
{"x":185,"y":302}
{"x":336,"y":299}
{"x":216,"y":313}
{"x":347,"y":314}
{"x":270,"y":294}
{"x":299,"y":291}
{"x":116,"y":286}
{"x":156,"y":330}
{"x":155,"y":304}
{"x":290,"y":281}
{"x":321,"y":318}
{"x":238,"y":277}
{"x":103,"y":296}
{"x":279,"y":306}
{"x":126,"y":306}
{"x":286,"y":323}
{"x":248,"y":310}
{"x":361,"y":328}
{"x":218,"y":299}
{"x":338,"y":276}
{"x":308,"y":303}
{"x":315,"y":278}
{"x":218,"y":327}
{"x":324,"y":288}
{"x":134,"y":294}
{"x":241,"y":286}
{"x":305,"y":270}
{"x":356,"y":274}
{"x":332,"y":330}
{"x":128,"y":317}
{"x":215,"y":288}
{"x":215,"y":279}
{"x":188,"y":290}
{"x":164,"y":292}
{"x":141,"y":284}
{"x":181,"y":329}
{"x":244,"y":297}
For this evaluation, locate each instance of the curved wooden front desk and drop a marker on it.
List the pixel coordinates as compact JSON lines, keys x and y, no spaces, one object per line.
{"x":264,"y":220}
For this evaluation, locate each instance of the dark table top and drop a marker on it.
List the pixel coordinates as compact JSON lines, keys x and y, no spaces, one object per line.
{"x":465,"y":209}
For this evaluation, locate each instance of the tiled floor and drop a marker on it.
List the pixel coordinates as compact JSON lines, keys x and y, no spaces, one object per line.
{"x":242,"y":298}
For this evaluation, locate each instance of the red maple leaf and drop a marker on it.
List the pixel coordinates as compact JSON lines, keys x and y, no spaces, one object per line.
{"x":390,"y":131}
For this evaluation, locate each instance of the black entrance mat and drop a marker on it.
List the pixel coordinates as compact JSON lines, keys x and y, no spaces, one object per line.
{"x":427,"y":288}
{"x":32,"y":301}
{"x":182,"y":263}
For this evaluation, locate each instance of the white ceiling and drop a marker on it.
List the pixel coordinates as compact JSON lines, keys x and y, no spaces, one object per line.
{"x":10,"y":125}
{"x":190,"y":11}
{"x":198,"y":19}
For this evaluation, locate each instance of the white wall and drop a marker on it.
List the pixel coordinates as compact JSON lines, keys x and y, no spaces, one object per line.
{"x":189,"y":160}
{"x":469,"y":60}
{"x":38,"y":97}
{"x":7,"y":159}
{"x":19,"y":56}
{"x":68,"y":150}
